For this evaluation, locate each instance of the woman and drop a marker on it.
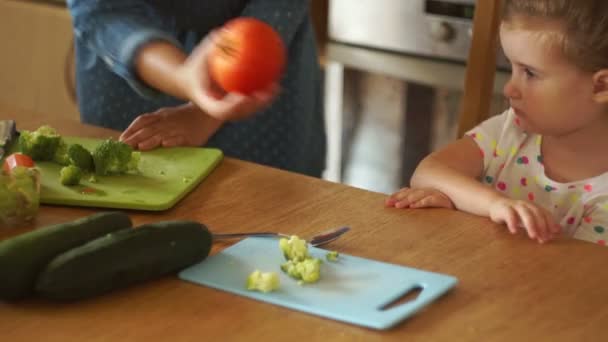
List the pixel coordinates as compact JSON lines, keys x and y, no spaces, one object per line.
{"x":148,"y":57}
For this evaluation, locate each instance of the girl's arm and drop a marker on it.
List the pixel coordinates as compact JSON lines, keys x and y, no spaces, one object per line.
{"x":455,"y":171}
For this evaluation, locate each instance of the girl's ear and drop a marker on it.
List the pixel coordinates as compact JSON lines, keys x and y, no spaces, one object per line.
{"x":600,"y":86}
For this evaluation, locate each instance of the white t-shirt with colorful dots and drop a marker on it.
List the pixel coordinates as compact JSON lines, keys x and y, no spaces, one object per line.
{"x":513,"y":165}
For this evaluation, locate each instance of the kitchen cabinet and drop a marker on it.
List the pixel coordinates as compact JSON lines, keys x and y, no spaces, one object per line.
{"x":36,"y":64}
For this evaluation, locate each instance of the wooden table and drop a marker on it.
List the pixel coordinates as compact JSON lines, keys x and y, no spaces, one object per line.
{"x":511,"y":289}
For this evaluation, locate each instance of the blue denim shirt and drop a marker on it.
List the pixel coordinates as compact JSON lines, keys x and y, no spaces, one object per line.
{"x":289,"y":135}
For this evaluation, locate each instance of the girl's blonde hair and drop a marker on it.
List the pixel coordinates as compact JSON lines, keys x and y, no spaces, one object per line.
{"x":584,"y":26}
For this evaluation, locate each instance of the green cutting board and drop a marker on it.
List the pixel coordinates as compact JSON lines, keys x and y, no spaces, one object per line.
{"x":166,"y":176}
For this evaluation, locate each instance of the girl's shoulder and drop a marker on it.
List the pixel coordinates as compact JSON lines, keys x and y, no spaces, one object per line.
{"x":500,"y":129}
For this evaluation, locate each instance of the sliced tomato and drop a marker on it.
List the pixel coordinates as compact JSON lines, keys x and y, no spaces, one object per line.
{"x":17,"y":159}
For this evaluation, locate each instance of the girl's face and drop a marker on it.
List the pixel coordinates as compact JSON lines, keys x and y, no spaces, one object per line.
{"x":550,"y":95}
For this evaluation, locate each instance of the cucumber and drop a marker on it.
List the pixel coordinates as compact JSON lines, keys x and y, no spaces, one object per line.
{"x":23,"y":257}
{"x":124,"y":258}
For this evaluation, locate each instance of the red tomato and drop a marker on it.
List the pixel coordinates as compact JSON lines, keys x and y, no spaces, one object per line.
{"x":16,"y":159}
{"x":248,"y":56}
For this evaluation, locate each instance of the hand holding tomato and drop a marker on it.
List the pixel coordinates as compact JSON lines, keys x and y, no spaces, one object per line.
{"x":194,"y":76}
{"x":248,"y":56}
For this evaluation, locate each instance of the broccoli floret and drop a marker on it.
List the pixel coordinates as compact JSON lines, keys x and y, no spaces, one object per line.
{"x":112,"y":156}
{"x":61,"y":154}
{"x":41,"y":144}
{"x":295,"y":249}
{"x":19,"y":194}
{"x":80,"y":157}
{"x":299,"y":265}
{"x":332,"y":256}
{"x":307,"y":270}
{"x":70,"y":175}
{"x":263,"y":281}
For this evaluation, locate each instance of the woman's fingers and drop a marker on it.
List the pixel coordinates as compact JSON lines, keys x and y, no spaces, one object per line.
{"x":149,"y":143}
{"x":173,"y":141}
{"x":139,"y":123}
{"x":145,"y":134}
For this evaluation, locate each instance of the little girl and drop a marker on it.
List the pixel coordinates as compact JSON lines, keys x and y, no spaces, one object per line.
{"x":542,"y":164}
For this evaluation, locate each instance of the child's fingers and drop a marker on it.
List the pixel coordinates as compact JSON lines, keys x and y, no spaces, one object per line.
{"x":390,"y":202}
{"x":512,"y":220}
{"x":430,"y":201}
{"x":528,"y":221}
{"x":543,"y":224}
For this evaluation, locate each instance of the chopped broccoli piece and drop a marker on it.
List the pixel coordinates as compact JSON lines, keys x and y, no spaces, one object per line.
{"x":307,"y":270}
{"x":332,"y":256}
{"x":80,"y":157}
{"x":61,"y":154}
{"x":19,"y":194}
{"x":299,"y":265}
{"x":41,"y":144}
{"x":70,"y":175}
{"x":295,"y":249}
{"x":134,"y":162}
{"x":263,"y":281}
{"x":112,"y":156}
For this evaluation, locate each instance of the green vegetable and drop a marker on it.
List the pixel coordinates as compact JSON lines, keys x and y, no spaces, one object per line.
{"x":332,"y":256}
{"x":61,"y":154}
{"x":24,"y":256}
{"x":41,"y":144}
{"x":114,"y":157}
{"x":307,"y":270}
{"x":294,"y":249}
{"x":124,"y":258}
{"x":70,"y":175}
{"x":81,"y":157}
{"x":19,"y":195}
{"x":299,"y":265}
{"x":263,"y":281}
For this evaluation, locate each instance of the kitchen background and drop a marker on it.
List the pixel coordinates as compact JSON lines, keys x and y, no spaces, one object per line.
{"x":394,"y":73}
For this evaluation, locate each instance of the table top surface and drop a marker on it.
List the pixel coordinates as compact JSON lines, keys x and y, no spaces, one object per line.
{"x":510,"y":288}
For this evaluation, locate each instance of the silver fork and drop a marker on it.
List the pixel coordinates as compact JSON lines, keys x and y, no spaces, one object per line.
{"x":317,"y":240}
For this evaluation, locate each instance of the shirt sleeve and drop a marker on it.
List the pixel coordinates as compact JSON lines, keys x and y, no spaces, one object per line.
{"x":594,"y":224}
{"x":488,"y":134}
{"x":285,"y":17}
{"x":115,"y":30}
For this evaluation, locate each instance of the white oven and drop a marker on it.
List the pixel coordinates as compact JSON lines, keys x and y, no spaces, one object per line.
{"x":431,"y":28}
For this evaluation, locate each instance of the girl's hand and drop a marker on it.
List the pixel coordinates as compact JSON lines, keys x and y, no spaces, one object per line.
{"x":198,"y":86}
{"x":419,"y":198}
{"x":537,"y":221}
{"x":185,"y":125}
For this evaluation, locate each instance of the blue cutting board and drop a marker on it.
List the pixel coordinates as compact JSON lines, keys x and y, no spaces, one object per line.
{"x":352,"y":289}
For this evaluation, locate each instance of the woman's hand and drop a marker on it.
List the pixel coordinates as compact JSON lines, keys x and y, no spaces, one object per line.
{"x":197,"y":85}
{"x":537,"y":221}
{"x":185,"y":125}
{"x":419,"y":198}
